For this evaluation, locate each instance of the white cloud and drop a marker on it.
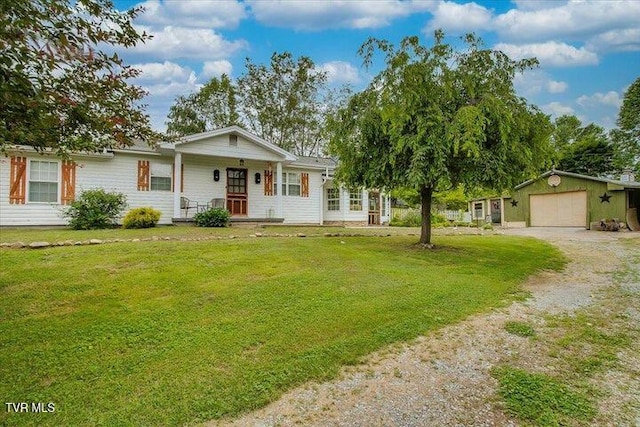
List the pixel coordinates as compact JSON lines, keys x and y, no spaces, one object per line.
{"x":161,"y":72}
{"x":193,"y":13}
{"x":340,"y":72}
{"x":533,"y":82}
{"x":550,"y":53}
{"x":557,"y":109}
{"x":466,"y":17}
{"x":556,"y":87}
{"x":180,"y":42}
{"x":216,"y":68}
{"x":610,"y":98}
{"x":619,"y":40}
{"x":166,"y":79}
{"x":317,"y":15}
{"x":575,"y":19}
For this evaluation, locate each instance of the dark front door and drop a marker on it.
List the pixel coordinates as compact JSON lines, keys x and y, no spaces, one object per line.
{"x":374,"y":208}
{"x":237,"y":191}
{"x":496,"y":215}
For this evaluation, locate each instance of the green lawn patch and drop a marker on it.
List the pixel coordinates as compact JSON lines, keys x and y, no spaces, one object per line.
{"x":521,"y":329}
{"x":169,"y":332}
{"x":540,"y":399}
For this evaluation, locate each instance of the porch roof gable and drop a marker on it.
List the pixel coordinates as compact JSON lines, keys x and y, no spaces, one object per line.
{"x":186,"y":142}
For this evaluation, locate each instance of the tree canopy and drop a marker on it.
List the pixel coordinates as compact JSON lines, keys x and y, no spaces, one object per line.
{"x":435,"y":118}
{"x":283,"y":102}
{"x":60,"y":89}
{"x":627,"y":135}
{"x":213,"y":106}
{"x":582,"y":149}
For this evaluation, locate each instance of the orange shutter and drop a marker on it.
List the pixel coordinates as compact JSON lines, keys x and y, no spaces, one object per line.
{"x":68,"y":182}
{"x":305,"y":184}
{"x":268,"y":183}
{"x":143,"y":175}
{"x":18,"y":180}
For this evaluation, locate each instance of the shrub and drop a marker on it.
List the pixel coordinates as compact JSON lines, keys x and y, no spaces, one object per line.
{"x":215,"y":217}
{"x":487,"y":226}
{"x":141,"y":218}
{"x":95,"y":209}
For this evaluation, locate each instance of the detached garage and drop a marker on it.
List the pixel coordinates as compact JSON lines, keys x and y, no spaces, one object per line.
{"x":565,"y":199}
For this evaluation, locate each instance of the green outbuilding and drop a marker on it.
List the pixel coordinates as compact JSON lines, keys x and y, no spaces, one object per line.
{"x":565,"y":199}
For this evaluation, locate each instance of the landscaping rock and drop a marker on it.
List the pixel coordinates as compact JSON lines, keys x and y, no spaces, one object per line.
{"x":5,"y":245}
{"x":95,"y":242}
{"x":301,"y":235}
{"x":39,"y":245}
{"x":68,"y":242}
{"x":259,"y":234}
{"x":135,"y":240}
{"x":78,"y":243}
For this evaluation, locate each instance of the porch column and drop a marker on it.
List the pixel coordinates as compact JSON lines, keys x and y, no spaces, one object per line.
{"x":321,"y":198}
{"x":177,"y":184}
{"x":279,"y":212}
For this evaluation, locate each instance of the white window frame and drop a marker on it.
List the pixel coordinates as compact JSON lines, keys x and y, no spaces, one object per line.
{"x":57,"y":181}
{"x":159,"y":175}
{"x":353,"y":200}
{"x":287,"y":184}
{"x":333,"y":203}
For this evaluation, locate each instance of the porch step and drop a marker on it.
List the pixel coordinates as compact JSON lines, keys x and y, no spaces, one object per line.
{"x":236,"y":220}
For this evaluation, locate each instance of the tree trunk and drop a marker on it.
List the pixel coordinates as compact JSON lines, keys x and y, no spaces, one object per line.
{"x":425,"y":199}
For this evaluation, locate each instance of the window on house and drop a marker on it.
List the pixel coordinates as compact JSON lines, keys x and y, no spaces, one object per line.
{"x":477,"y":208}
{"x":383,"y":208}
{"x":160,"y":177}
{"x":233,"y":140}
{"x":43,"y":181}
{"x":291,"y":185}
{"x":355,"y":200}
{"x":333,"y":199}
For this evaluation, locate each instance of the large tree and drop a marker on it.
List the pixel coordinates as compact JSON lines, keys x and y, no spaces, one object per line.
{"x":582,"y":149}
{"x":212,"y":107}
{"x":627,"y":136}
{"x":60,"y":89}
{"x":435,"y":118}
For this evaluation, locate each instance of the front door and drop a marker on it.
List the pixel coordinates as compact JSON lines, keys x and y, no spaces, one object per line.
{"x":496,"y":214}
{"x":374,"y":208}
{"x":237,"y":191}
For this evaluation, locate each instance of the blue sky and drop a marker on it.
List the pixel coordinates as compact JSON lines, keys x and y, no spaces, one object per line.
{"x":589,"y":50}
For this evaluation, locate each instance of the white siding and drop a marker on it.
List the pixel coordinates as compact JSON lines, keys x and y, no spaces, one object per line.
{"x":219,"y":146}
{"x":117,"y":174}
{"x":346,"y":214}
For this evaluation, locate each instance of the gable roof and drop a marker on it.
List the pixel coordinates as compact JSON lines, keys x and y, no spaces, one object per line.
{"x":233,"y":130}
{"x":579,"y":176}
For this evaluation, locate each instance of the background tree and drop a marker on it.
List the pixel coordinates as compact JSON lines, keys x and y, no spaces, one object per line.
{"x":283,"y":103}
{"x":59,"y":90}
{"x":627,"y":136}
{"x":436,"y":118}
{"x":213,"y":106}
{"x":582,"y":149}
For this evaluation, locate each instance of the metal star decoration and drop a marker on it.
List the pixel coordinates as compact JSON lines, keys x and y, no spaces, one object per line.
{"x":514,"y":203}
{"x":605,"y":198}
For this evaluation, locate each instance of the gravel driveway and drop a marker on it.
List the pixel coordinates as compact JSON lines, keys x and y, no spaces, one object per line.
{"x":443,"y":378}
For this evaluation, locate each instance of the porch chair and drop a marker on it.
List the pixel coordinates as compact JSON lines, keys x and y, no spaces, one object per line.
{"x":186,"y":204}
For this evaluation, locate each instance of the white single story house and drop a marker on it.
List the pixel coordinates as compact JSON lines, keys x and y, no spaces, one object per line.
{"x":254,"y":179}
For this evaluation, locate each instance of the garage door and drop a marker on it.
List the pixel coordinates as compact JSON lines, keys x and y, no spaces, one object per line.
{"x":559,"y":209}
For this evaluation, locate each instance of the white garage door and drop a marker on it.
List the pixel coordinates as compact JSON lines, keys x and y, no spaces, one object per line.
{"x":559,"y":209}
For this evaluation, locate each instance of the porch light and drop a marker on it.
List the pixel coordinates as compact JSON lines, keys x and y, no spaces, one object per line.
{"x":241,"y":162}
{"x":257,"y":177}
{"x":216,"y":175}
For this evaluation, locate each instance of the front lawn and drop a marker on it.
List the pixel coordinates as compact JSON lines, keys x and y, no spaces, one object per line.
{"x":168,"y":333}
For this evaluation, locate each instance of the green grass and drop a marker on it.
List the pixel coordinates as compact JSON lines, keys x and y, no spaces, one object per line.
{"x":542,"y":400}
{"x":521,"y":329}
{"x":168,"y":333}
